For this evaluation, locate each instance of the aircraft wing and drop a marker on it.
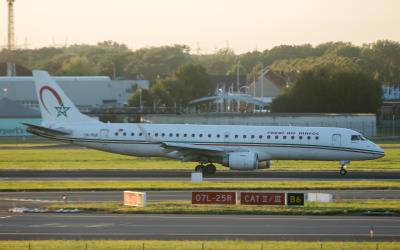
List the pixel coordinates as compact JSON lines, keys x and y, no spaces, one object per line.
{"x":192,"y":147}
{"x":190,"y":152}
{"x":43,"y":131}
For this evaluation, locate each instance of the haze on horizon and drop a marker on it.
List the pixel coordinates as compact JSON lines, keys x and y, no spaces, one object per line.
{"x":209,"y":24}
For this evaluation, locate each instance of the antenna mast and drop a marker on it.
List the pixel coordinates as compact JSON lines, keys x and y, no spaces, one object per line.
{"x":11,"y":68}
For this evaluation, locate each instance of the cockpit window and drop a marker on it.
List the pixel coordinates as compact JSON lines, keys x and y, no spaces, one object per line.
{"x":356,"y":138}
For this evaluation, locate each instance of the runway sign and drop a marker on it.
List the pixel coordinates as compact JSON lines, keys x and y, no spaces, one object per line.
{"x":295,"y":199}
{"x":136,"y":199}
{"x":320,"y":197}
{"x":220,"y":198}
{"x":250,"y":198}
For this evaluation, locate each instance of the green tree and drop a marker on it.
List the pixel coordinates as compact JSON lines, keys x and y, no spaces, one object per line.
{"x":77,"y":66}
{"x":331,"y":90}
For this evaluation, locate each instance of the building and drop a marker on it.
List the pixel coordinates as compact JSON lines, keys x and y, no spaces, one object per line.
{"x":389,"y":115}
{"x":12,"y":115}
{"x":268,"y":85}
{"x":85,"y":92}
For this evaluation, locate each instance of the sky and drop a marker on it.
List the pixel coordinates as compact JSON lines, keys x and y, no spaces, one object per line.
{"x":204,"y":25}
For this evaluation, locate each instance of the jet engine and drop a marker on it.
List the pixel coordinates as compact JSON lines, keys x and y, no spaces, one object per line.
{"x":241,"y":161}
{"x":264,"y":164}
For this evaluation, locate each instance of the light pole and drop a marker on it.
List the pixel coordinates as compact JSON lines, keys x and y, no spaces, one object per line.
{"x":140,"y":100}
{"x":114,"y":70}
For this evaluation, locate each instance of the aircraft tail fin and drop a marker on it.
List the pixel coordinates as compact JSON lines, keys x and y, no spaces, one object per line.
{"x":55,"y":106}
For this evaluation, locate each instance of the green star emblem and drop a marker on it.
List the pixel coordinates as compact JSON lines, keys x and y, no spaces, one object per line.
{"x":62,"y":110}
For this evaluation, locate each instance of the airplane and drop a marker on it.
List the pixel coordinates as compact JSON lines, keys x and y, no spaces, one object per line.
{"x":237,"y":147}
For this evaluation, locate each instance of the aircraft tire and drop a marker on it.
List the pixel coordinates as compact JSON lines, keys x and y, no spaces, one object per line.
{"x":199,"y":168}
{"x":210,"y":169}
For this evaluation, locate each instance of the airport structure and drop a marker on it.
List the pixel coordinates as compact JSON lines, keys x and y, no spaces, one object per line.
{"x":86,"y":92}
{"x":12,"y":115}
{"x":268,"y":85}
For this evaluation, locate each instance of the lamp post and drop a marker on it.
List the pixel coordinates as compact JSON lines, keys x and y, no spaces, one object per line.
{"x":114,"y":70}
{"x":140,"y":100}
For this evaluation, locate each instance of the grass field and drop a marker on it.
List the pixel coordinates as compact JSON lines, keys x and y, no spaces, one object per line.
{"x":186,"y":185}
{"x":194,"y":245}
{"x":72,"y":159}
{"x":340,"y":207}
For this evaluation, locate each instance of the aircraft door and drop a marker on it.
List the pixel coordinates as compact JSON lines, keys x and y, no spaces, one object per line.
{"x":104,"y":133}
{"x":336,"y":140}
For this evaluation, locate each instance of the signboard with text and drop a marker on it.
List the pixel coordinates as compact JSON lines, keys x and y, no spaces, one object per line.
{"x":251,"y":198}
{"x":220,"y":198}
{"x":135,"y":199}
{"x":295,"y":199}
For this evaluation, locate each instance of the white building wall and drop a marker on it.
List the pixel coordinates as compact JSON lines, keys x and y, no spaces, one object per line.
{"x":83,"y":91}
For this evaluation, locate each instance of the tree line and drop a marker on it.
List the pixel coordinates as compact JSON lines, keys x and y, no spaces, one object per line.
{"x":168,"y":67}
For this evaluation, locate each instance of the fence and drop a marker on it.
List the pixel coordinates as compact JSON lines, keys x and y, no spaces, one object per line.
{"x":195,"y":245}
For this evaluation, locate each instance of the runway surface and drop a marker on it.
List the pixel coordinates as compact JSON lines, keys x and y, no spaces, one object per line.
{"x":185,"y":174}
{"x":197,"y":227}
{"x":40,"y":199}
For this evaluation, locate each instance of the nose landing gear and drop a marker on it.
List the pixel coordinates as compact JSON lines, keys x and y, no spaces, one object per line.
{"x":206,"y":169}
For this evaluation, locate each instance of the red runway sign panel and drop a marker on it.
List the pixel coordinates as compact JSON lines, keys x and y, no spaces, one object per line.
{"x":250,"y":198}
{"x":222,"y":198}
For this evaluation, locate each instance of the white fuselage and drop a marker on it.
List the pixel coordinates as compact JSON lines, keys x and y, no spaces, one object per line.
{"x":269,"y":142}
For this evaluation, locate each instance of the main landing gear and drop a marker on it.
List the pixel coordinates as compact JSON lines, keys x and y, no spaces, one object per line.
{"x":343,"y":167}
{"x":206,"y":169}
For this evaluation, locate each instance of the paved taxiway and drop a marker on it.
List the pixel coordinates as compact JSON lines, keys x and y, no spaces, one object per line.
{"x":185,"y":175}
{"x":196,"y":227}
{"x":39,"y":199}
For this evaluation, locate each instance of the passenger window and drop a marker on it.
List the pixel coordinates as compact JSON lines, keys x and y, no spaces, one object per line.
{"x":124,"y":133}
{"x":184,"y":135}
{"x":236,"y":136}
{"x":244,"y":136}
{"x":116,"y":133}
{"x":132,"y":134}
{"x":308,"y":137}
{"x":317,"y":138}
{"x":156,"y":134}
{"x":170,"y":134}
{"x":276,"y":137}
{"x":226,"y":136}
{"x":140,"y":134}
{"x":252,"y":136}
{"x":260,"y":136}
{"x":268,"y":137}
{"x":201,"y":135}
{"x":177,"y":135}
{"x":218,"y":136}
{"x":209,"y":135}
{"x":193,"y":135}
{"x":162,"y":134}
{"x":292,"y":137}
{"x":301,"y":137}
{"x":284,"y":137}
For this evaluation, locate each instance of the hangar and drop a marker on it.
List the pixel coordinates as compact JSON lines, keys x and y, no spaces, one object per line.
{"x":86,"y":92}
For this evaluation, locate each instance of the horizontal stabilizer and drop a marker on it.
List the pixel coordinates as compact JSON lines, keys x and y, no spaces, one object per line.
{"x":39,"y":130}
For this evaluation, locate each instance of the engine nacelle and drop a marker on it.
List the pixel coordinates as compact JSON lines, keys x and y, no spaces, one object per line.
{"x":264,"y":164}
{"x":242,"y":161}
